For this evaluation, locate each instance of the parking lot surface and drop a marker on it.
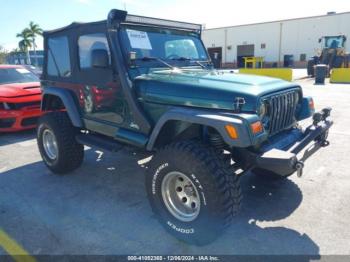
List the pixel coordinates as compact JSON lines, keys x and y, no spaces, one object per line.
{"x":102,"y":208}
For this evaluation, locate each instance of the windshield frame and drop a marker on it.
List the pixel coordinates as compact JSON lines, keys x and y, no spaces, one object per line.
{"x":33,"y":77}
{"x":153,"y":63}
{"x":327,"y":41}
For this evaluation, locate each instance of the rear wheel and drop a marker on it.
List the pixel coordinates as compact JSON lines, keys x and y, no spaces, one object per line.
{"x":310,"y":68}
{"x":192,"y":191}
{"x":57,"y":144}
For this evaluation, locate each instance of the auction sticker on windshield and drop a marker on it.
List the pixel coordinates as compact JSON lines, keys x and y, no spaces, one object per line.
{"x":139,"y":39}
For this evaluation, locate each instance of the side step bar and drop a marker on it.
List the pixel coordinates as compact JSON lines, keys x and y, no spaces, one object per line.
{"x":107,"y":144}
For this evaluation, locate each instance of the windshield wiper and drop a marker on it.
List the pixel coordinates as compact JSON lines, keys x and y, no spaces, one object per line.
{"x":200,"y":64}
{"x":208,"y":63}
{"x":151,"y":58}
{"x":182,"y":58}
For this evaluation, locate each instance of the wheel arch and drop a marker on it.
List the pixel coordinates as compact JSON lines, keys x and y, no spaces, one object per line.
{"x":186,"y":123}
{"x":175,"y":130}
{"x":54,"y":98}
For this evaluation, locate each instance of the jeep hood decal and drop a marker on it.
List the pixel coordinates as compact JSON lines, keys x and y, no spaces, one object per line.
{"x":206,"y":89}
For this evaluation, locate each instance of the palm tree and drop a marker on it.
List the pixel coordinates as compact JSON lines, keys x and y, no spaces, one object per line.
{"x":34,"y":31}
{"x":25,"y":43}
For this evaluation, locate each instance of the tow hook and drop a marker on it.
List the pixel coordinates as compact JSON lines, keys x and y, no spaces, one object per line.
{"x":299,"y":167}
{"x":323,"y":140}
{"x":325,"y":143}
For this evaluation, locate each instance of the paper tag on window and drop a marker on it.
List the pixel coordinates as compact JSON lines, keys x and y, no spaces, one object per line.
{"x":139,"y":39}
{"x":22,"y":70}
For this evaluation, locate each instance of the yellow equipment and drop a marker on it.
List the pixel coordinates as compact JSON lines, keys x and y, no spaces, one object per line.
{"x":282,"y":73}
{"x":333,"y":53}
{"x":254,"y":60}
{"x":340,"y":75}
{"x":256,"y":68}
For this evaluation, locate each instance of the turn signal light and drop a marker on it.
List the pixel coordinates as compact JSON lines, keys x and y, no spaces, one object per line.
{"x":257,"y":127}
{"x":231,"y":131}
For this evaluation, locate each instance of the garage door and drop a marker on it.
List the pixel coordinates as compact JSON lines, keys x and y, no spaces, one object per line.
{"x":244,"y":51}
{"x":215,"y":54}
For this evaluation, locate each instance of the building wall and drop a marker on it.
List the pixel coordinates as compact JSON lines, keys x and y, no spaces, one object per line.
{"x":298,"y":36}
{"x":21,"y":58}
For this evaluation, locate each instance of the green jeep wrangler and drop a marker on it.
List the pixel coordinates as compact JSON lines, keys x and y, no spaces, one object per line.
{"x":149,"y":83}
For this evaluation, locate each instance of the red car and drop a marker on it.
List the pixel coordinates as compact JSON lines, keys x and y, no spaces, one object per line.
{"x":20,"y":98}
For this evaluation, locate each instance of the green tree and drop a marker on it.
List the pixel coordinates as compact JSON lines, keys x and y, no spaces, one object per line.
{"x":25,"y":43}
{"x":34,"y":31}
{"x":3,"y":54}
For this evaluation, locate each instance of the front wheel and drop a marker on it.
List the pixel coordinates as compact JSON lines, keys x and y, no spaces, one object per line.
{"x":192,"y":191}
{"x":58,"y":147}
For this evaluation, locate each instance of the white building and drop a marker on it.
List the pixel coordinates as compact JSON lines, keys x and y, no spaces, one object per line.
{"x":273,"y":40}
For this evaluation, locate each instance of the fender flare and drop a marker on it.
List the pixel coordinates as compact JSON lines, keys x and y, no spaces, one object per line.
{"x":68,"y":101}
{"x":217,"y":120}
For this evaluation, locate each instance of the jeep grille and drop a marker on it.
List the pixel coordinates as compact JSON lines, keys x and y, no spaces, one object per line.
{"x":281,"y":111}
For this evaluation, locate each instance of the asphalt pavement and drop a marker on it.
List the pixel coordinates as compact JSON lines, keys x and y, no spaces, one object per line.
{"x":102,"y":208}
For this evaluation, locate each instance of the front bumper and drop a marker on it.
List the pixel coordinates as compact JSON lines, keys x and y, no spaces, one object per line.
{"x":287,"y":153}
{"x":16,"y":120}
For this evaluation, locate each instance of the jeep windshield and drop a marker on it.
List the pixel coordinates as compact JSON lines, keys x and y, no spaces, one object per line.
{"x":154,"y":46}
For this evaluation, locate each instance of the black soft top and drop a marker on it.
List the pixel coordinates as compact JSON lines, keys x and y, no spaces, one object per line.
{"x":132,"y":19}
{"x":74,"y":25}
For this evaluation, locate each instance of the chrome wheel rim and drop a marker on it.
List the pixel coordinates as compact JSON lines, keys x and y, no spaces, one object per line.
{"x":180,"y":196}
{"x":50,"y":144}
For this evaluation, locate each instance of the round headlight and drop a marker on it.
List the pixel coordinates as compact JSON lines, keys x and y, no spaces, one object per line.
{"x":262,"y":109}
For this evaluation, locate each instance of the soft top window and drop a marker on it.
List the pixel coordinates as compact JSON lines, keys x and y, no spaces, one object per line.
{"x":88,"y":43}
{"x":58,"y":62}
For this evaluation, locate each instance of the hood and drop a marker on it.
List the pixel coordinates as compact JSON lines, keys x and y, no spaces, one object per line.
{"x":20,"y":89}
{"x":207,"y":89}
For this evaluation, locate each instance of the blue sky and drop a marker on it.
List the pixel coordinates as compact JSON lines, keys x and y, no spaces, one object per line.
{"x":50,"y":14}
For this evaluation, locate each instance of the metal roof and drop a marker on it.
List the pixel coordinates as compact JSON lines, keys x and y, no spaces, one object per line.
{"x":278,"y":21}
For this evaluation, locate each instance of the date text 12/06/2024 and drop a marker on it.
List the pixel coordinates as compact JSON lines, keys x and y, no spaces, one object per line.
{"x":173,"y":258}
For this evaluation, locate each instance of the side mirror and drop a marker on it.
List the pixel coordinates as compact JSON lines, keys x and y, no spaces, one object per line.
{"x":99,"y":58}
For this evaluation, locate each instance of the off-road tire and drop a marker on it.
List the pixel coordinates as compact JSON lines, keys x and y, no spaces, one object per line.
{"x":310,"y":68}
{"x":219,"y":190}
{"x":70,"y":152}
